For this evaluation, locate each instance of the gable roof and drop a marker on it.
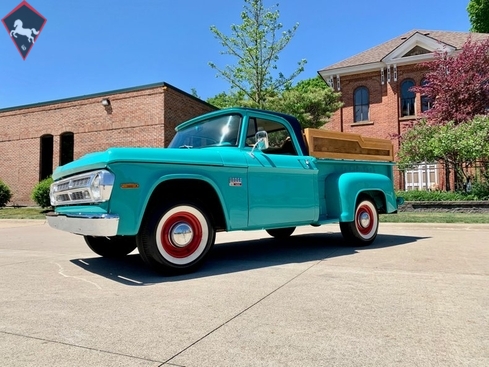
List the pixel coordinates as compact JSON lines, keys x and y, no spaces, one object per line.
{"x":397,"y":51}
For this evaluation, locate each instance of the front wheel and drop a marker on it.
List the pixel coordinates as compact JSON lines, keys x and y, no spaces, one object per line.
{"x":117,"y":246}
{"x":363,"y":230}
{"x":176,"y":239}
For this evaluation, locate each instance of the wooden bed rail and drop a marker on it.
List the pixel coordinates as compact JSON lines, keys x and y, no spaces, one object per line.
{"x":340,"y":145}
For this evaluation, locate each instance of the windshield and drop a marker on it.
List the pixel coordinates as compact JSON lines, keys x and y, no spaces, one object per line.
{"x":217,"y":131}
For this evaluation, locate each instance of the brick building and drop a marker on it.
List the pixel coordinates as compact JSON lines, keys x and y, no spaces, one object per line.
{"x":375,"y":84}
{"x":36,"y":138}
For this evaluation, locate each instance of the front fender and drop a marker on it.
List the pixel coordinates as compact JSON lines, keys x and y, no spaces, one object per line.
{"x":195,"y":177}
{"x":343,"y":190}
{"x":132,"y":205}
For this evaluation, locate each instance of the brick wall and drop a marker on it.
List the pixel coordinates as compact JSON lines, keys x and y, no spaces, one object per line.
{"x":385,"y":117}
{"x":143,"y":116}
{"x":179,"y":107}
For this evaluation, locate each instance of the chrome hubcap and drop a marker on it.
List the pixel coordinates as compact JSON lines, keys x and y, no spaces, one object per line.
{"x":364,"y":220}
{"x":181,"y":234}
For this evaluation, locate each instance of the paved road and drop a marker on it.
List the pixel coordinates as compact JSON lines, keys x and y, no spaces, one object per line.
{"x":418,"y":297}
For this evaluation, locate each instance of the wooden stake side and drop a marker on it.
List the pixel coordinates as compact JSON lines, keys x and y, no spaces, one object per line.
{"x":340,"y":145}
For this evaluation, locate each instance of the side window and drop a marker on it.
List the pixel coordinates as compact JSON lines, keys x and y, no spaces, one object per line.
{"x":361,"y":104}
{"x":426,"y":102}
{"x":252,"y":129}
{"x":408,"y":98}
{"x":278,"y":136}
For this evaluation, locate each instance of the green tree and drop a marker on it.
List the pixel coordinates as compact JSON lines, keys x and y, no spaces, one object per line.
{"x":194,"y":93}
{"x":312,"y":101}
{"x":233,"y":99}
{"x":457,"y":146}
{"x":479,"y":15}
{"x":411,"y":151}
{"x":256,"y":44}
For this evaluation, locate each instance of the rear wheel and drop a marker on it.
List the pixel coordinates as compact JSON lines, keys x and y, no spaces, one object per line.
{"x":117,"y":246}
{"x":176,"y":239}
{"x":281,"y":232}
{"x":363,"y":230}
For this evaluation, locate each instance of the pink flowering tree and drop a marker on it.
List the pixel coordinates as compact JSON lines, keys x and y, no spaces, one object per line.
{"x":455,"y":131}
{"x":457,"y":85}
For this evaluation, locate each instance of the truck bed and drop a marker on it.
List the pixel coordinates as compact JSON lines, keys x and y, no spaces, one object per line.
{"x":373,"y":175}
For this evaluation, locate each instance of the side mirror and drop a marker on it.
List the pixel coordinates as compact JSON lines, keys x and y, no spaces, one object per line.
{"x":261,"y":142}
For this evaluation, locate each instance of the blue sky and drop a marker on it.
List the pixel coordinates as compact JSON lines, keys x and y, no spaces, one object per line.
{"x":93,"y":46}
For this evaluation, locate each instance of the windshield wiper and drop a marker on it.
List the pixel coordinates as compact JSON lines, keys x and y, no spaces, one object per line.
{"x":186,"y":146}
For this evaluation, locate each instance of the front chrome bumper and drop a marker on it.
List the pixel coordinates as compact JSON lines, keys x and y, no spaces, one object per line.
{"x":87,"y":224}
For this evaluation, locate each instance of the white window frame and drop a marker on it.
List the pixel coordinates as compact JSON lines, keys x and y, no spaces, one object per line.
{"x":420,"y":177}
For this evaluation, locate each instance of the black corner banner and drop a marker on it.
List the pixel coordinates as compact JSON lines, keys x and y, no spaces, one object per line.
{"x":24,"y":25}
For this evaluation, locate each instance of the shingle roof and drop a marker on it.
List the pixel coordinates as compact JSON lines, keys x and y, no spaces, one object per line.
{"x":377,"y":53}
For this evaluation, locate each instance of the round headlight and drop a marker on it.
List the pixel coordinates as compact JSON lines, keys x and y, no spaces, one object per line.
{"x":95,"y":187}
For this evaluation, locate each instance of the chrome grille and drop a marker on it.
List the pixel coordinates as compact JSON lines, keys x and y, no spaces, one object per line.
{"x":63,"y":186}
{"x":63,"y":197}
{"x":82,"y":189}
{"x":77,"y":195}
{"x":82,"y":182}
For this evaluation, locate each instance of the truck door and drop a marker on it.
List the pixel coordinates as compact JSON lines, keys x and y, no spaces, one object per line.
{"x":282,"y":184}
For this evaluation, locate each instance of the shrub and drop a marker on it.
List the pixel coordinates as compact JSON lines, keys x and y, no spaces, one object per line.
{"x":40,"y":194}
{"x":479,"y":192}
{"x":5,"y":194}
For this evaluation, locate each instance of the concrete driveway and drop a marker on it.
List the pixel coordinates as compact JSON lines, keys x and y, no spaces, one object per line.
{"x":418,"y":297}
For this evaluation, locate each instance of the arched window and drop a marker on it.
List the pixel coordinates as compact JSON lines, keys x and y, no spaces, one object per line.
{"x":46,"y":157}
{"x":408,"y":98}
{"x":426,"y":102}
{"x":361,"y":104}
{"x":66,"y":145}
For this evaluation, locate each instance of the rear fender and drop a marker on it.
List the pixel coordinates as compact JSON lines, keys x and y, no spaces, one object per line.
{"x":344,"y":189}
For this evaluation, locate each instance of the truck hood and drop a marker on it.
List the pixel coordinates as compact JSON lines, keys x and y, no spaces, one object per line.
{"x":99,"y":160}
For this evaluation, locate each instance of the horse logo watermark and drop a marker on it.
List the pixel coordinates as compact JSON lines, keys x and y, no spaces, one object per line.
{"x":23,"y":31}
{"x":24,"y":24}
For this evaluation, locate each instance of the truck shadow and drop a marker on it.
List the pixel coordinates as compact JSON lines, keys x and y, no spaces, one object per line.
{"x":240,"y":256}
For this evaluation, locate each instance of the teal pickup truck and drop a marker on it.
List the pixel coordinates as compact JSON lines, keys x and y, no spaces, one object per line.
{"x":228,"y":170}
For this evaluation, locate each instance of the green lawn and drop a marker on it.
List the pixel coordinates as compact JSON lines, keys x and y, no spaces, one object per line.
{"x":22,"y":213}
{"x":402,"y":217}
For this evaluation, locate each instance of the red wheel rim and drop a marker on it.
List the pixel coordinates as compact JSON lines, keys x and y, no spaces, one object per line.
{"x":361,"y":211}
{"x":173,"y":249}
